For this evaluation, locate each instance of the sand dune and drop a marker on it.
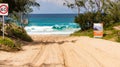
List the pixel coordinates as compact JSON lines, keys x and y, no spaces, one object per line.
{"x":64,"y":51}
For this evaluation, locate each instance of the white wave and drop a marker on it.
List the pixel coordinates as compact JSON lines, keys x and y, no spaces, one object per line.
{"x":38,"y":28}
{"x":48,"y":30}
{"x":45,"y":33}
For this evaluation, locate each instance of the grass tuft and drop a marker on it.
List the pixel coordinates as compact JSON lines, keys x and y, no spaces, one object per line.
{"x":7,"y":44}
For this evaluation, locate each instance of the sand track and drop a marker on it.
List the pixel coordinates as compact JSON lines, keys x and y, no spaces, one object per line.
{"x":64,"y":51}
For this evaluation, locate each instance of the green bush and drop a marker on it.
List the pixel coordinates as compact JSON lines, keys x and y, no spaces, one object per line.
{"x":83,"y":33}
{"x":18,"y":33}
{"x":87,"y":20}
{"x":21,"y":35}
{"x":9,"y":45}
{"x":118,"y":36}
{"x":7,"y":42}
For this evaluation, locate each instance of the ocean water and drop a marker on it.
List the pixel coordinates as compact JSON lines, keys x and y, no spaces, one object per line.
{"x":51,"y":24}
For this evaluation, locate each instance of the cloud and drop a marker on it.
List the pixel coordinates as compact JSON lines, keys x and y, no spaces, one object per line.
{"x":53,"y":6}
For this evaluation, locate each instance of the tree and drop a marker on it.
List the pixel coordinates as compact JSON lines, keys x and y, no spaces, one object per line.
{"x":113,"y":8}
{"x":77,"y":4}
{"x":20,"y":5}
{"x":106,"y":11}
{"x":18,"y":8}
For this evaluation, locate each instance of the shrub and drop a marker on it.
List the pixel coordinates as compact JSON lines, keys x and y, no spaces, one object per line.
{"x":118,"y":36}
{"x":18,"y":33}
{"x":8,"y":44}
{"x":87,"y":19}
{"x":21,"y":35}
{"x":83,"y":33}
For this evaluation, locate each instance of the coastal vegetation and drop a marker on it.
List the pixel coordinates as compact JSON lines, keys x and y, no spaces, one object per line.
{"x":97,"y":11}
{"x":7,"y":44}
{"x":14,"y":25}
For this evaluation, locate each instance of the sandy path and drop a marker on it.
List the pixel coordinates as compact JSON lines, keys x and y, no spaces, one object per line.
{"x":64,"y":51}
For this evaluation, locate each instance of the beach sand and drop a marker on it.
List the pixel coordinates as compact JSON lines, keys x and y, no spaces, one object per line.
{"x":64,"y":51}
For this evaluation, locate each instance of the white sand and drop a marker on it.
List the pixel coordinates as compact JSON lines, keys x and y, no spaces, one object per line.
{"x":64,"y":51}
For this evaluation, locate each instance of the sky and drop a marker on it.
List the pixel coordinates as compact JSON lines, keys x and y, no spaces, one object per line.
{"x":52,"y":7}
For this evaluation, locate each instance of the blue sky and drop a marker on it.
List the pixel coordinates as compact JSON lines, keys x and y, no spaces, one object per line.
{"x":52,"y":6}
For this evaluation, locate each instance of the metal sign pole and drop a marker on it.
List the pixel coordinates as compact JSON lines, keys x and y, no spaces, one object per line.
{"x":3,"y":27}
{"x":3,"y":11}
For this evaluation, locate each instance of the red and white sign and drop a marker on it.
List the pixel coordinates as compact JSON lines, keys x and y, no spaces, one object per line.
{"x":4,"y":9}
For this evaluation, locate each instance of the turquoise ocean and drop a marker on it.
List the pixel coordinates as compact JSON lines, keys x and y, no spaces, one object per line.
{"x":51,"y":24}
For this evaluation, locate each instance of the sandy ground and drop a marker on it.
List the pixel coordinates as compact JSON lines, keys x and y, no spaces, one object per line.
{"x":117,"y":27}
{"x":64,"y":51}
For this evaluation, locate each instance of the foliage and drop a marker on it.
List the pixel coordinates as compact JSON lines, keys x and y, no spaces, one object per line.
{"x":17,"y":8}
{"x":86,"y":20}
{"x":109,"y":33}
{"x":20,"y":8}
{"x":17,"y":32}
{"x":20,"y":5}
{"x":8,"y":44}
{"x":118,"y":36}
{"x":21,"y":34}
{"x":112,"y":34}
{"x":83,"y":33}
{"x":112,"y":9}
{"x":77,"y":4}
{"x":97,"y":11}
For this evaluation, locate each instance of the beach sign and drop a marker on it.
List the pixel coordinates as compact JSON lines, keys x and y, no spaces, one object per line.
{"x":3,"y":12}
{"x":3,"y":9}
{"x":98,"y":30}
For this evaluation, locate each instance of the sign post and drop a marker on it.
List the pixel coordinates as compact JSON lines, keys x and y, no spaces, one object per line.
{"x":3,"y":12}
{"x":3,"y":26}
{"x":98,"y":30}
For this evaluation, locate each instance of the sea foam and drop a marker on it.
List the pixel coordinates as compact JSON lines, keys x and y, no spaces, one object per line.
{"x":56,"y":29}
